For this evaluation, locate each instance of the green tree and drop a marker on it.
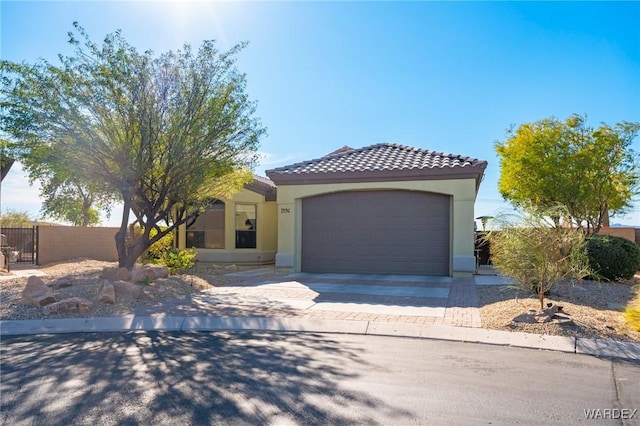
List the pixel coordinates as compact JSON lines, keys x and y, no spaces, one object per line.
{"x":68,"y":194}
{"x":167,"y":132}
{"x":593,"y":172}
{"x":15,"y":219}
{"x":535,"y":252}
{"x":69,"y":201}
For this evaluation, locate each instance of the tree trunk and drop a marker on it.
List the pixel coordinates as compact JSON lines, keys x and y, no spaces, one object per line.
{"x":541,"y":297}
{"x":121,"y":236}
{"x":134,"y":252}
{"x":86,"y":205}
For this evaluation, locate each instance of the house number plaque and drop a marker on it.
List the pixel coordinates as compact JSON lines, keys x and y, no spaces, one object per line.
{"x":285,"y":210}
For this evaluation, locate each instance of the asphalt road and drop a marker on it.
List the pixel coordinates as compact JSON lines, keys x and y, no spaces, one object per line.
{"x":274,"y":378}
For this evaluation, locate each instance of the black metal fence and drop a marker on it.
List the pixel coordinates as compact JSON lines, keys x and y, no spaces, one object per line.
{"x":483,"y":249}
{"x":20,"y":245}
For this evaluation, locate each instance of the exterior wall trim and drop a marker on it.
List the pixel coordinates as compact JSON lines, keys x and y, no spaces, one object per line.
{"x":471,"y":172}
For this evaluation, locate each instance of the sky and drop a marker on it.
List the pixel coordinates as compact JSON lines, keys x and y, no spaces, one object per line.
{"x":446,"y":76}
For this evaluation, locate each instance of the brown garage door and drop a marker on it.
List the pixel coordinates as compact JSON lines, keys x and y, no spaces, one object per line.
{"x":382,"y":232}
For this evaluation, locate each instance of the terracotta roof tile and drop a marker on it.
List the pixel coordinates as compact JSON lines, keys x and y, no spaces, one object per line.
{"x":380,"y":157}
{"x":264,"y":180}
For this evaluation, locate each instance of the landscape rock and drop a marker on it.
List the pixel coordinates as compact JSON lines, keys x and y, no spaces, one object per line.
{"x":37,"y":293}
{"x":116,"y":274}
{"x":63,"y":282}
{"x":231,"y":268}
{"x":127,"y":288}
{"x":562,"y":320}
{"x":106,"y":292}
{"x":68,"y":306}
{"x":550,"y":314}
{"x":160,"y":271}
{"x":142,"y":274}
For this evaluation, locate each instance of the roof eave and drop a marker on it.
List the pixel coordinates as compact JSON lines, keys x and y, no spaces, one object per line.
{"x":269,"y":192}
{"x":467,"y":172}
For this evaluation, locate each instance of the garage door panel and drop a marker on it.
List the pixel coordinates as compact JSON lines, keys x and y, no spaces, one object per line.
{"x":376,"y":232}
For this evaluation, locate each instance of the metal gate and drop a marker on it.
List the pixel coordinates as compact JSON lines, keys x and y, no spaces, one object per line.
{"x":20,"y":245}
{"x":483,"y":249}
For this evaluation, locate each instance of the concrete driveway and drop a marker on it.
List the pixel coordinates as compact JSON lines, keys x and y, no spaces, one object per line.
{"x":427,"y":300}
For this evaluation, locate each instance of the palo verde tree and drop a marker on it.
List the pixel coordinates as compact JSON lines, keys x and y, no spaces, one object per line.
{"x":593,"y":172}
{"x":167,"y":133}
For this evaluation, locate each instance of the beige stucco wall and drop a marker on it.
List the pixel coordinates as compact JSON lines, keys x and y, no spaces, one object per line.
{"x":462,"y":192}
{"x":266,"y":238}
{"x":628,"y":233}
{"x":61,"y":243}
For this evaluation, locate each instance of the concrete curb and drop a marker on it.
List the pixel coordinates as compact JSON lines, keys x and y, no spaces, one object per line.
{"x":476,"y":335}
{"x":274,"y":324}
{"x":595,"y":347}
{"x":608,"y":349}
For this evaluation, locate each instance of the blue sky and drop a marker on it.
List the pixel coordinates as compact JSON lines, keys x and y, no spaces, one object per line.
{"x":446,"y":76}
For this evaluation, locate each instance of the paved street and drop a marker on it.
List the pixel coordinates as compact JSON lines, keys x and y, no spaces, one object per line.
{"x":311,"y":378}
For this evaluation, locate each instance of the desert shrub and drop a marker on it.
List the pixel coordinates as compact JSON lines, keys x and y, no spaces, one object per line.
{"x":162,"y":252}
{"x":536,"y":253}
{"x":157,"y":250}
{"x":178,"y":260}
{"x":613,"y":258}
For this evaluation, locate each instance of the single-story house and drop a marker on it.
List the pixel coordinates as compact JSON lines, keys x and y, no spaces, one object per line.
{"x":382,"y":209}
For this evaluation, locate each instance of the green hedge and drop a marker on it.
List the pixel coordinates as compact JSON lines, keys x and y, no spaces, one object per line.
{"x":613,"y":258}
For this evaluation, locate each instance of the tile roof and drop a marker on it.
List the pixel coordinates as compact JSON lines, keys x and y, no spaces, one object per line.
{"x":264,"y":186}
{"x":264,"y":180}
{"x":382,"y":157}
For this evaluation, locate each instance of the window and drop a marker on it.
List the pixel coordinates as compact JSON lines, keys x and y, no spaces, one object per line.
{"x":246,"y":226}
{"x":208,"y":229}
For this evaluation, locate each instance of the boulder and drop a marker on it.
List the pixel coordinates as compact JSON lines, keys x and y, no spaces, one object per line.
{"x":106,"y":292}
{"x":142,"y":274}
{"x":73,"y":305}
{"x":160,"y":271}
{"x":551,"y":314}
{"x":115,"y":274}
{"x":128,"y":289}
{"x":63,"y":282}
{"x":37,"y":293}
{"x":231,"y":268}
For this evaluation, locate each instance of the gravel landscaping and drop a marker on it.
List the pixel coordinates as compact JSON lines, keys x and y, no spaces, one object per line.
{"x":81,"y":278}
{"x":596,"y":308}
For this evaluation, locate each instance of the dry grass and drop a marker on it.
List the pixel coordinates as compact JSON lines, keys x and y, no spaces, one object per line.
{"x":632,"y":313}
{"x":597,"y":309}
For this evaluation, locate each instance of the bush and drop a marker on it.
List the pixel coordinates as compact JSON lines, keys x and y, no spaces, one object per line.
{"x":163,"y":253}
{"x":156,"y":251}
{"x":613,"y":258}
{"x":178,"y":260}
{"x":536,"y":254}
